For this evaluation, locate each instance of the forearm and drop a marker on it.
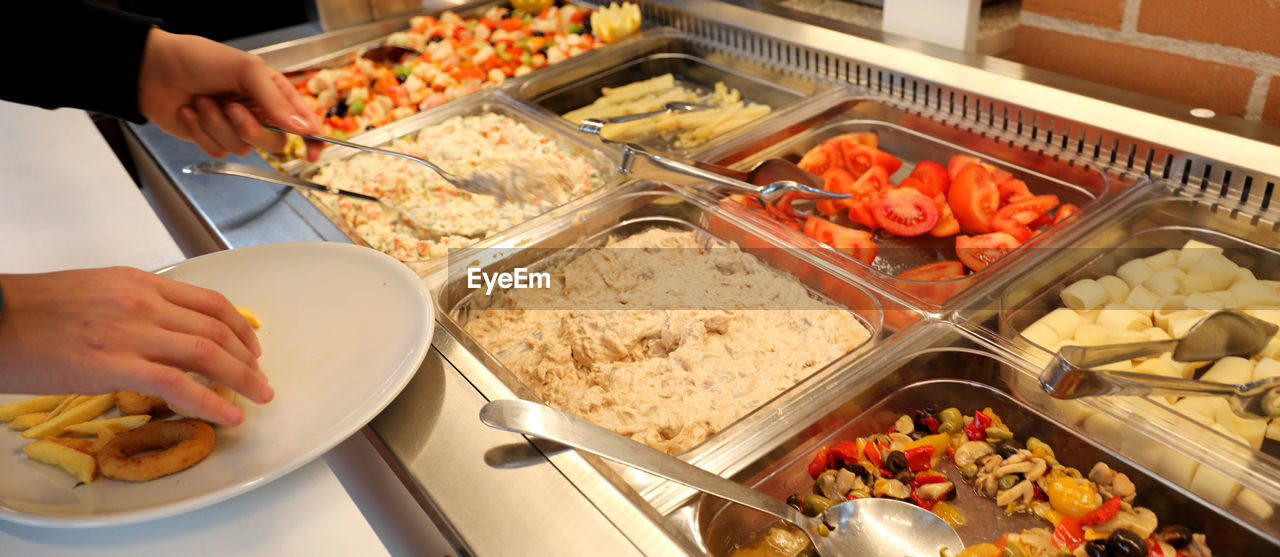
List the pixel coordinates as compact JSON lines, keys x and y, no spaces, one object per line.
{"x":91,"y":62}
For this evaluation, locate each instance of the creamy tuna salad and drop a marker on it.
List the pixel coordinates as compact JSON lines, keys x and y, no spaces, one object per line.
{"x":493,"y":144}
{"x":669,"y":378}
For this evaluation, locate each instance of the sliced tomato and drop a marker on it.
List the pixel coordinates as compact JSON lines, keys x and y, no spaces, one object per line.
{"x":998,"y":175}
{"x":850,"y":241}
{"x":1015,"y":217}
{"x":511,"y":23}
{"x":947,"y":223}
{"x":933,"y":272}
{"x":932,"y":177}
{"x":958,"y":163}
{"x":1065,"y":210}
{"x":974,"y":199}
{"x":1012,"y":190}
{"x":905,"y":212}
{"x":976,"y":252}
{"x":835,"y":180}
{"x":868,"y":139}
{"x":857,"y":154}
{"x":865,"y":191}
{"x":821,"y":158}
{"x":782,"y":209}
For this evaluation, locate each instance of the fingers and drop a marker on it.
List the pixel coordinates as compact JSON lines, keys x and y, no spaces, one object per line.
{"x":205,"y":357}
{"x":251,"y":131}
{"x":189,"y":322}
{"x":214,"y":305}
{"x":216,"y":124}
{"x":263,"y":86}
{"x":198,"y":135}
{"x":182,"y":392}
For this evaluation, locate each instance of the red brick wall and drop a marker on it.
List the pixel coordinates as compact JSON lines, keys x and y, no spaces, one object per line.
{"x":1217,"y":54}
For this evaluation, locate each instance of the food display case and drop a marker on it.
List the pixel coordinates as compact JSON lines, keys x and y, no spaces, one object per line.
{"x":1144,"y":181}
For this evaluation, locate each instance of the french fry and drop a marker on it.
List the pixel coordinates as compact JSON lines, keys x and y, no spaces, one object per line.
{"x":34,"y":404}
{"x":27,"y":421}
{"x":78,"y":464}
{"x":66,"y":402}
{"x":114,"y":425}
{"x":85,"y":446}
{"x":249,"y":316}
{"x":91,"y":408}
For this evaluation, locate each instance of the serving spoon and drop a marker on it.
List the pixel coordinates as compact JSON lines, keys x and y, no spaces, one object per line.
{"x":1218,"y":335}
{"x":863,"y":527}
{"x":246,"y":171}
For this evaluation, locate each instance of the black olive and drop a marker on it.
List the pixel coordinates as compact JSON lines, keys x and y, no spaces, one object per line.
{"x":918,"y":433}
{"x":1008,"y":448}
{"x":435,"y":39}
{"x":338,"y":110}
{"x":794,"y":502}
{"x":861,"y":472}
{"x":950,"y":494}
{"x":369,"y":127}
{"x":896,"y":462}
{"x":918,"y":416}
{"x":586,"y":26}
{"x":905,"y":476}
{"x":1095,"y":548}
{"x":538,"y":34}
{"x":1125,"y":543}
{"x":402,"y":77}
{"x":1176,"y":535}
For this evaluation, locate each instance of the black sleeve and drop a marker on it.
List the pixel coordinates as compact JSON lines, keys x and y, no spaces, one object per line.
{"x":75,"y":54}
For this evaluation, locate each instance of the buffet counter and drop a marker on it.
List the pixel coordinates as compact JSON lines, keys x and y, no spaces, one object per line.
{"x":1128,"y":164}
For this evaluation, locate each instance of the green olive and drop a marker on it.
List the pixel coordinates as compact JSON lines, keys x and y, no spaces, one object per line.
{"x":1034,"y":443}
{"x":817,"y":482}
{"x":815,"y":505}
{"x":998,"y":434}
{"x":948,"y":427}
{"x":823,"y":530}
{"x":1008,"y":482}
{"x":859,"y":494}
{"x":969,"y":472}
{"x":1012,"y":550}
{"x":951,"y":415}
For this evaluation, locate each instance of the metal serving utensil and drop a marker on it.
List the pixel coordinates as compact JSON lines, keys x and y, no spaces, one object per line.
{"x":1218,"y":335}
{"x":387,"y":53}
{"x":864,"y":527}
{"x":595,"y":125}
{"x":482,"y":183}
{"x":246,"y":171}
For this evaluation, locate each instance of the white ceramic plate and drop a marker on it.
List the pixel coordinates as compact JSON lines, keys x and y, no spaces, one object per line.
{"x":344,"y":328}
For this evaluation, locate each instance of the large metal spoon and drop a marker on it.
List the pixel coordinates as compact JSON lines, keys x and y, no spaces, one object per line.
{"x":1218,"y":335}
{"x":864,"y":527}
{"x":246,"y":171}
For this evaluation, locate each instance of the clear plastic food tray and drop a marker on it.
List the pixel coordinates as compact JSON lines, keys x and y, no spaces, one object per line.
{"x":1145,"y":221}
{"x":939,"y":365}
{"x":912,"y":138}
{"x":636,"y":207}
{"x":694,"y":64}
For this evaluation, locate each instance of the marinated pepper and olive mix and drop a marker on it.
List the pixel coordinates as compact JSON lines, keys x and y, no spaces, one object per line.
{"x":1088,"y":515}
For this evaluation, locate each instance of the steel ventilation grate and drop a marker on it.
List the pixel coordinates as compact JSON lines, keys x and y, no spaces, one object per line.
{"x":1124,"y":158}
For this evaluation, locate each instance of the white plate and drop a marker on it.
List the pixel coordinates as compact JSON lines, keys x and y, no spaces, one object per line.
{"x":344,"y":328}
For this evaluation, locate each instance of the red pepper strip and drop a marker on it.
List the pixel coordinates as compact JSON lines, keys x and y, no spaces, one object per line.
{"x":1000,"y":543}
{"x":1102,"y":513}
{"x":820,"y":462}
{"x":926,"y":505}
{"x":1038,"y":494}
{"x":1068,"y":534}
{"x":872,"y":451}
{"x":845,"y":452}
{"x":927,"y":478}
{"x":918,"y":458}
{"x":932,"y":423}
{"x":1154,"y":549}
{"x":977,"y":429}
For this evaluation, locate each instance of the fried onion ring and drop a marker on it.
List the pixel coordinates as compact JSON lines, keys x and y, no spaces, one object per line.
{"x":130,"y":402}
{"x":182,"y":442}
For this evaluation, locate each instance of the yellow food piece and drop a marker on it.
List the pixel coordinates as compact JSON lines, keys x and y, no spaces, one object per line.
{"x":1073,"y":497}
{"x":615,"y":22}
{"x":65,"y":404}
{"x":114,"y":425}
{"x":949,"y":514}
{"x":980,"y":550}
{"x":531,"y":6}
{"x":80,"y":465}
{"x":28,"y":421}
{"x":249,"y":316}
{"x":91,"y":408}
{"x":34,"y":404}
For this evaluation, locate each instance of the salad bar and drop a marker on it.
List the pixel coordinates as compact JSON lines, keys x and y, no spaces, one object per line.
{"x":884,"y":342}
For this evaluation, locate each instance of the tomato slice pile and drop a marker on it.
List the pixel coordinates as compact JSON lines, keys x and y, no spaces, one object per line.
{"x":986,"y":209}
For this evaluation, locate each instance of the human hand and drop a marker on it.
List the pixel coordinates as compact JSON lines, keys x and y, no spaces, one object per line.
{"x":218,"y":97}
{"x":103,"y":330}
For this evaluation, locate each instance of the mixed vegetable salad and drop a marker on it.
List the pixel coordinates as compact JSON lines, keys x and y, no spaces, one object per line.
{"x":1089,"y":515}
{"x":460,"y":55}
{"x":986,"y":209}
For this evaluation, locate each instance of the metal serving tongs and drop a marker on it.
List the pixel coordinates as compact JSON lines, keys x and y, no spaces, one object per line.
{"x":1218,"y":335}
{"x":768,"y":181}
{"x":246,"y":171}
